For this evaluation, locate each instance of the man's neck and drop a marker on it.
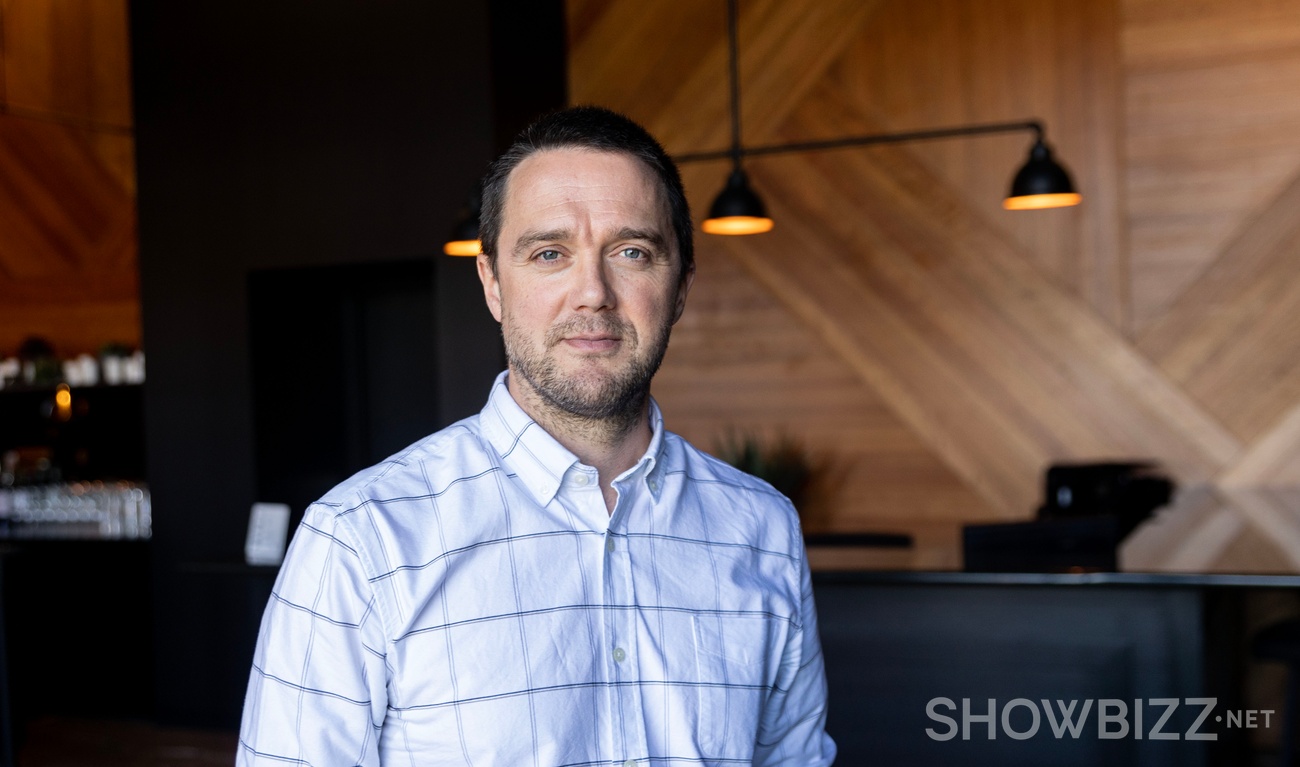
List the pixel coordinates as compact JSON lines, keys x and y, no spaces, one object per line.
{"x":609,"y":445}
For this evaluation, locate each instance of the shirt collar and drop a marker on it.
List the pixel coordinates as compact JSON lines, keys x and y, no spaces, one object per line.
{"x":653,"y":458}
{"x":538,"y":459}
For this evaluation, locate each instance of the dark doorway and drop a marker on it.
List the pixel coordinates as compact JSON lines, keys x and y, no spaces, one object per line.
{"x":344,"y":372}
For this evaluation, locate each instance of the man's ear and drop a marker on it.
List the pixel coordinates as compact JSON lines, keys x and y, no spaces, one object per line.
{"x":683,"y":287}
{"x":491,"y":286}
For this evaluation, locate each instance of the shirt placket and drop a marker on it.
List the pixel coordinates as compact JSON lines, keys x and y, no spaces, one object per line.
{"x":627,"y":722}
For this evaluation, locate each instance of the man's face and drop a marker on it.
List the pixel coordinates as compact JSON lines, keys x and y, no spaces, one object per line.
{"x":587,"y":280}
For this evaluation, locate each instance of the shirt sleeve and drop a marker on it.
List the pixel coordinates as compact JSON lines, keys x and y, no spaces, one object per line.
{"x":793,"y":727}
{"x":317,"y":689}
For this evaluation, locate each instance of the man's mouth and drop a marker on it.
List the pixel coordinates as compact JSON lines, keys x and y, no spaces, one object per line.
{"x":592,"y":335}
{"x":593,"y":342}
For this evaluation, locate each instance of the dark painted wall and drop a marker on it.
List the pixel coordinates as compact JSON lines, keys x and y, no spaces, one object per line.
{"x":294,"y":134}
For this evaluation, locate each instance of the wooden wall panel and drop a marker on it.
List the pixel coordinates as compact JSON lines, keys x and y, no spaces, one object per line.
{"x":69,"y":59}
{"x":1212,"y":116}
{"x":897,"y":312}
{"x":737,"y":350}
{"x":1213,"y":184}
{"x":688,"y":75}
{"x":953,"y":62}
{"x":1232,"y":339}
{"x":68,"y":242}
{"x":1000,"y":372}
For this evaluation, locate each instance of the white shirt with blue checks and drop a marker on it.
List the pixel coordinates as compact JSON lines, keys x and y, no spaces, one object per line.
{"x":471,"y":601}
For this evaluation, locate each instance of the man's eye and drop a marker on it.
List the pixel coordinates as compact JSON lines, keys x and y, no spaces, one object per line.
{"x":633,"y":253}
{"x":548,"y":255}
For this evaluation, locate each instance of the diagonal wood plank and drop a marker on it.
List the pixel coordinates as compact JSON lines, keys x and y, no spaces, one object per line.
{"x":1273,"y":513}
{"x":68,"y":238}
{"x":1273,"y":459}
{"x":1233,"y":338}
{"x":990,"y":364}
{"x":57,"y":200}
{"x":1190,"y":535}
{"x":1209,"y":132}
{"x":651,"y":47}
{"x":1207,"y":530}
{"x":680,"y":91}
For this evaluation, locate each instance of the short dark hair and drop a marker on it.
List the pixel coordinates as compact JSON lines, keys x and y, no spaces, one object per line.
{"x":595,"y":128}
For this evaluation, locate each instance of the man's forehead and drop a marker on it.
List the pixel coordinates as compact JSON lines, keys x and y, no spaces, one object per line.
{"x":556,"y":171}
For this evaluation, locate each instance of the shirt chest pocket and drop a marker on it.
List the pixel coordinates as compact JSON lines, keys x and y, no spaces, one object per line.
{"x":736,"y":661}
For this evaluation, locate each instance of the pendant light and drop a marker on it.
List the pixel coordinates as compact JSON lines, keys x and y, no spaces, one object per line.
{"x":464,"y":239}
{"x":1040,"y":183}
{"x":737,"y":209}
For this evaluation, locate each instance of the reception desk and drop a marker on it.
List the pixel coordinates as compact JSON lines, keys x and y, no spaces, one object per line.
{"x":913,"y":660}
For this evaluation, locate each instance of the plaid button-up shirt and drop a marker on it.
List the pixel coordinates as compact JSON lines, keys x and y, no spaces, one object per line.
{"x":471,"y":601}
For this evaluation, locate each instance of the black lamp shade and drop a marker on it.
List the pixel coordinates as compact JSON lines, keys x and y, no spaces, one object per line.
{"x":464,"y":235}
{"x":737,"y":199}
{"x":1041,"y":182}
{"x":737,"y":209}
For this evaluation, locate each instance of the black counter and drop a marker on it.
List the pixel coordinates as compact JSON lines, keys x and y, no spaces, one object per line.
{"x":906,"y":650}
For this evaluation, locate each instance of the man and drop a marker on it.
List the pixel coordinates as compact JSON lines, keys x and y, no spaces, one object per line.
{"x":558,"y":580}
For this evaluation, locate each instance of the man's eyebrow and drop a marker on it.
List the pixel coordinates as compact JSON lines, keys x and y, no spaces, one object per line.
{"x":531,"y":238}
{"x":652,"y":236}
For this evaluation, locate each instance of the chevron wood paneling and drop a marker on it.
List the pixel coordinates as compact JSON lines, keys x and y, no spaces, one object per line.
{"x":971,"y":341}
{"x":68,"y":237}
{"x":1211,"y":116}
{"x":897,"y":317}
{"x":1231,"y":340}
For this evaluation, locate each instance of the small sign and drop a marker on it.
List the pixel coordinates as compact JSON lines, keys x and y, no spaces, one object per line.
{"x":268,"y":529}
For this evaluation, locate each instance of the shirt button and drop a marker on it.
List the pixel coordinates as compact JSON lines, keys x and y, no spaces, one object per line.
{"x":619,"y":655}
{"x":609,"y":544}
{"x":654,"y":486}
{"x":630,"y":763}
{"x":581,"y":480}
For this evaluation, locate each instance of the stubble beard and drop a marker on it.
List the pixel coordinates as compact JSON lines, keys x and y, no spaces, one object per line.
{"x":610,"y":401}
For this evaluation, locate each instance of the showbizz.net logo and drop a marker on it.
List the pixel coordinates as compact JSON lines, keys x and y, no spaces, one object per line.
{"x":1102,"y":718}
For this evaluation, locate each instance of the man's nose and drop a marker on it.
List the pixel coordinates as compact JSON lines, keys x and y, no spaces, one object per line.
{"x":593,"y":288}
